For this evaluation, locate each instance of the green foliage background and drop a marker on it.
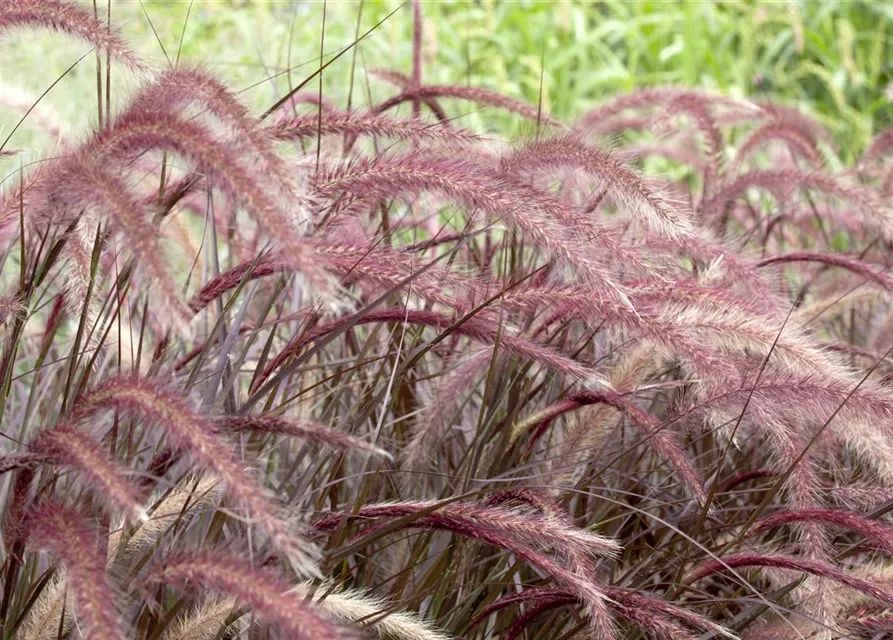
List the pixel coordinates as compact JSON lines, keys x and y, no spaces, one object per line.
{"x":832,"y":58}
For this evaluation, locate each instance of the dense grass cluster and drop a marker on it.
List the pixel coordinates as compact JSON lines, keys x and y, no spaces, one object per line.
{"x":337,"y":372}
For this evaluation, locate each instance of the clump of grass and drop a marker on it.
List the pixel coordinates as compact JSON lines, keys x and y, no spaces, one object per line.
{"x":381,"y":374}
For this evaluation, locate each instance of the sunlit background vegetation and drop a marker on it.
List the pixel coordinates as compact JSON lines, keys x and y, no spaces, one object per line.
{"x":833,"y":59}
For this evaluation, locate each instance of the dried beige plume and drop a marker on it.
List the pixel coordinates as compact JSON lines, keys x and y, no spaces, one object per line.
{"x":587,"y":429}
{"x":182,"y":502}
{"x":203,"y":622}
{"x":370,"y":612}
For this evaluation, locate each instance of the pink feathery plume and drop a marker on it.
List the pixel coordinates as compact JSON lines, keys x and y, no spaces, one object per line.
{"x":356,"y":124}
{"x":507,"y":531}
{"x":472,"y":94}
{"x":699,"y":112}
{"x":657,"y":618}
{"x":536,"y":610}
{"x":178,"y":88}
{"x":663,"y":440}
{"x":66,"y":445}
{"x":781,"y":183}
{"x":795,"y":119}
{"x":799,"y":143}
{"x":244,"y":179}
{"x":194,"y":435}
{"x":859,"y":267}
{"x":38,"y":116}
{"x":263,"y":590}
{"x":65,"y":533}
{"x":880,"y":146}
{"x":11,"y":306}
{"x":352,"y":263}
{"x":539,"y":530}
{"x":540,"y":215}
{"x":68,"y":18}
{"x":27,"y":460}
{"x":432,"y":425}
{"x":404,"y":82}
{"x":83,"y":182}
{"x":678,"y":149}
{"x":596,"y":119}
{"x":297,"y":428}
{"x":472,"y":327}
{"x":624,"y":184}
{"x":417,"y":26}
{"x":821,"y":569}
{"x":880,"y":534}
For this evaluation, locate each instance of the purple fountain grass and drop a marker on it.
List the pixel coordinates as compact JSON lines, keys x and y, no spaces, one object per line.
{"x":38,"y":116}
{"x":624,"y":185}
{"x":501,"y":196}
{"x":665,"y":329}
{"x":864,"y":586}
{"x":655,"y":626}
{"x":782,"y":183}
{"x":880,"y":146}
{"x":795,"y":119}
{"x":595,"y":119}
{"x":654,"y":616}
{"x":68,"y":18}
{"x":357,"y":124}
{"x":541,"y":502}
{"x":10,"y":307}
{"x":356,"y":262}
{"x":263,"y":590}
{"x":800,"y":144}
{"x":81,"y":183}
{"x":64,"y":532}
{"x":859,"y":267}
{"x":505,"y":534}
{"x":562,"y":350}
{"x":873,"y":625}
{"x":858,"y":496}
{"x":677,"y":148}
{"x":535,"y":611}
{"x":879,"y":534}
{"x":416,"y":80}
{"x":16,"y":198}
{"x":178,"y":88}
{"x":26,"y":460}
{"x":137,"y":132}
{"x":64,"y":444}
{"x":665,"y":443}
{"x":521,"y":525}
{"x":404,"y":82}
{"x":735,"y":331}
{"x":860,"y":412}
{"x":194,"y":435}
{"x":698,"y":111}
{"x":278,"y":425}
{"x":478,"y":95}
{"x":474,"y":328}
{"x":432,"y":425}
